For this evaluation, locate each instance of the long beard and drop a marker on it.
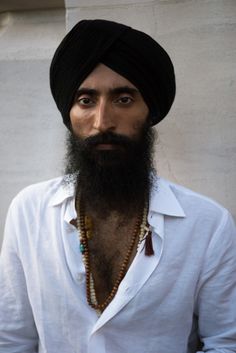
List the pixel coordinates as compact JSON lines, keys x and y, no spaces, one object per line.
{"x":118,"y":179}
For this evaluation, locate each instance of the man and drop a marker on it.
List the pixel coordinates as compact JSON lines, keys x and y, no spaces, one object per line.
{"x":110,"y":258}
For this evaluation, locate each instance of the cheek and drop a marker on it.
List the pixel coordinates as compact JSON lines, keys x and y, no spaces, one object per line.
{"x":140,"y":120}
{"x":74,"y":116}
{"x":79,"y":122}
{"x":138,"y":124}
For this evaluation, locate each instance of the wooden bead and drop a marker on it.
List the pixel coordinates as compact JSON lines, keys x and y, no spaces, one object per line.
{"x":85,"y":227}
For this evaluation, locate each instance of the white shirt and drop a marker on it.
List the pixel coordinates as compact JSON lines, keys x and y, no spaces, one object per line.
{"x":187,"y":288}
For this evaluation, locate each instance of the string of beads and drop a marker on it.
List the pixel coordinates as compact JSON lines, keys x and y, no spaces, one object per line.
{"x":140,"y":230}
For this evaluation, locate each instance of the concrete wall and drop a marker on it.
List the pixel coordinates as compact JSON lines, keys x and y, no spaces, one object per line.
{"x":196,"y":141}
{"x":31,"y":134}
{"x":22,"y":5}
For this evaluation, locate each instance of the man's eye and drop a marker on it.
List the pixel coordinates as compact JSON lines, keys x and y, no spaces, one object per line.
{"x":85,"y":101}
{"x":125,"y":100}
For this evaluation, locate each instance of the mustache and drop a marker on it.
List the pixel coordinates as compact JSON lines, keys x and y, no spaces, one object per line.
{"x":109,"y":138}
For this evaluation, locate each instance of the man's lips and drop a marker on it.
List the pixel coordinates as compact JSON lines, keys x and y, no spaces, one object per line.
{"x":107,"y":146}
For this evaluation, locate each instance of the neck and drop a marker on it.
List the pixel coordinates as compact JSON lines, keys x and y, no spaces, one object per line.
{"x":112,"y":208}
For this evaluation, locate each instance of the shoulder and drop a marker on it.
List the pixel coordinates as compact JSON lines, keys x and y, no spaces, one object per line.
{"x":28,"y":211}
{"x":198,"y":209}
{"x":203,"y":218}
{"x":39,"y":193}
{"x":191,"y":200}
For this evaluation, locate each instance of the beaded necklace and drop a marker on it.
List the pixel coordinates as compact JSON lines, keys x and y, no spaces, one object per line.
{"x":141,"y":229}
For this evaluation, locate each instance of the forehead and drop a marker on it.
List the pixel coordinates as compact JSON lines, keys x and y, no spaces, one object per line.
{"x":104,"y":77}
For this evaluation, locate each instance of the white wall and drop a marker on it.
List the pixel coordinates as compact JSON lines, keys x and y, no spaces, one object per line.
{"x":31,"y":134}
{"x":196,"y":141}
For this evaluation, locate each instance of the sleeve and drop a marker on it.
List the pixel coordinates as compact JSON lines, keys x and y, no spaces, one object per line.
{"x":18,"y":333}
{"x":216,"y":303}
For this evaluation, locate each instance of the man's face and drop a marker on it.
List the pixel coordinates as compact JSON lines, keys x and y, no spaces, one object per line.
{"x":111,"y":142}
{"x":107,"y":102}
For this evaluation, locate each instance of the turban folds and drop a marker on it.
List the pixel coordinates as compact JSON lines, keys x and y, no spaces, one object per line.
{"x":131,"y":53}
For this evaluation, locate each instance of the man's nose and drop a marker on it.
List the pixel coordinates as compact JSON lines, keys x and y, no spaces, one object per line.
{"x":104,"y":118}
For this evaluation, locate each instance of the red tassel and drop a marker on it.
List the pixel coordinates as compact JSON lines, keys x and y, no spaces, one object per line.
{"x":148,"y":245}
{"x":74,"y":222}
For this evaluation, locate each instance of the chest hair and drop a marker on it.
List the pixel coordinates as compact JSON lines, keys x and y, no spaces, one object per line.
{"x":108,"y":247}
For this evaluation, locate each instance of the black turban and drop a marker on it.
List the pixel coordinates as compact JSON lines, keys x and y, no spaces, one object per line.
{"x":131,"y":53}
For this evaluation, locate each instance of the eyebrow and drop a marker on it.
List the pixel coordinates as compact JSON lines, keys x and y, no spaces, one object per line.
{"x":112,"y":91}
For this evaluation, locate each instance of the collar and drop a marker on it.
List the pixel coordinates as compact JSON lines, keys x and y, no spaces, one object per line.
{"x":65,"y":191}
{"x":162,"y":201}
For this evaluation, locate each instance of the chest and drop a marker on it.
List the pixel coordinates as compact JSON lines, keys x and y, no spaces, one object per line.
{"x":112,"y":249}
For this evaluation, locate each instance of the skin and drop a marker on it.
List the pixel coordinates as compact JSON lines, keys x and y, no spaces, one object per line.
{"x":107,"y":101}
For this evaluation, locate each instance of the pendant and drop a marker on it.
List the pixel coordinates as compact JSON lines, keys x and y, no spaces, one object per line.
{"x":82,"y":248}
